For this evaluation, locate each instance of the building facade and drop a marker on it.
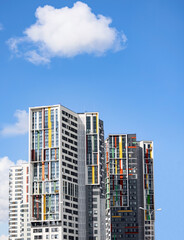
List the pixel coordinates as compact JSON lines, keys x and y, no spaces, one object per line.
{"x":129,"y":188}
{"x":148,"y":189}
{"x":66,"y":165}
{"x":93,"y":162}
{"x":53,"y":173}
{"x":19,"y":225}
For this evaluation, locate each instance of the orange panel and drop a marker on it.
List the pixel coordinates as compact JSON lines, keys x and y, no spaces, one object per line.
{"x":121,"y":170}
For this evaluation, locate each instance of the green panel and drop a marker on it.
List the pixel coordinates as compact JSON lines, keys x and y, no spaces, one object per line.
{"x":114,"y":236}
{"x":148,"y":199}
{"x":112,"y":152}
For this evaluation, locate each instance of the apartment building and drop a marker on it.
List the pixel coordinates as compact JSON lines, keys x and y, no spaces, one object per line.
{"x":19,"y":225}
{"x":92,"y":181}
{"x":129,"y":188}
{"x":67,"y":196}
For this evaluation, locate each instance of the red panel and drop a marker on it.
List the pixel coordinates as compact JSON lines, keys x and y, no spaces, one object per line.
{"x":115,"y":142}
{"x":146,"y":153}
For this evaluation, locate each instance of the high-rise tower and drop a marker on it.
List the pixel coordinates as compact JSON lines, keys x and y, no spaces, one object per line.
{"x":129,"y":188}
{"x":53,"y":173}
{"x":67,"y":194}
{"x":91,"y":136}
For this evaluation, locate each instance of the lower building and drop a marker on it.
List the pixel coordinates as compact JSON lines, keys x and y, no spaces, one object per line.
{"x":19,"y":225}
{"x":129,"y":188}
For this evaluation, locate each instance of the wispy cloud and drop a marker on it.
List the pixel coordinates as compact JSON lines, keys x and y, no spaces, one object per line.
{"x":5,"y":164}
{"x":18,"y":128}
{"x":67,"y":32}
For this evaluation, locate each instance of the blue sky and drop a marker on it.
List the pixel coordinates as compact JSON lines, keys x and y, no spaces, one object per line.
{"x":137,"y":87}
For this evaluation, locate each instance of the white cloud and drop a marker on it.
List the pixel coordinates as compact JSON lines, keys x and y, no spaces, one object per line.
{"x":5,"y":164}
{"x":67,"y":32}
{"x":18,"y":128}
{"x":3,"y":237}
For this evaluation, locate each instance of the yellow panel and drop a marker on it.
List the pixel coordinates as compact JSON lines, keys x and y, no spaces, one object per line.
{"x":44,"y":207}
{"x":120,"y":146}
{"x":93,"y":175}
{"x":125,"y":211}
{"x":116,"y":216}
{"x":113,"y":201}
{"x":145,"y":215}
{"x":50,"y":127}
{"x":97,"y":123}
{"x":116,"y":170}
{"x":151,"y":154}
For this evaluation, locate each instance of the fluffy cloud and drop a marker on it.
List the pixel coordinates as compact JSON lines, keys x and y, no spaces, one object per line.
{"x":20,"y":127}
{"x":3,"y":237}
{"x":5,"y":164}
{"x":67,"y":32}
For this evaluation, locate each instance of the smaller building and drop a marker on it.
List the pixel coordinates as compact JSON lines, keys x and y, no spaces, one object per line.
{"x":19,"y":225}
{"x":129,"y":188}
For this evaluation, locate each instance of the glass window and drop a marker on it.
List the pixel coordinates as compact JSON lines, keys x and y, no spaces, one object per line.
{"x":94,"y":124}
